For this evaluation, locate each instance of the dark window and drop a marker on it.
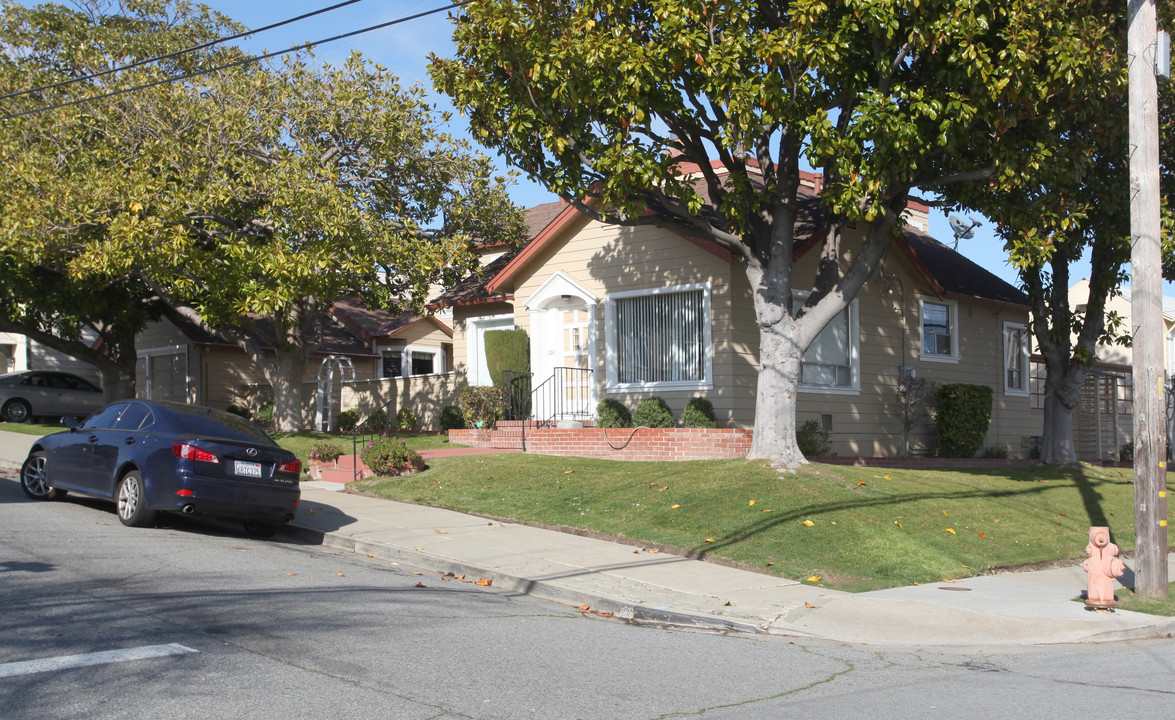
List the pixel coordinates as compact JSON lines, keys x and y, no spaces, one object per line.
{"x":422,"y":363}
{"x":207,"y":422}
{"x":393,"y":365}
{"x":135,"y":417}
{"x":105,"y":418}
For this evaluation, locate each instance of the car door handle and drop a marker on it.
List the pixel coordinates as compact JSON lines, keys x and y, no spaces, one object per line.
{"x":129,"y":440}
{"x":93,"y":438}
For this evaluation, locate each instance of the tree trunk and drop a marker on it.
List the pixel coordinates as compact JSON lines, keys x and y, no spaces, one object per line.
{"x":775,"y":394}
{"x":286,"y":380}
{"x":1063,"y":386}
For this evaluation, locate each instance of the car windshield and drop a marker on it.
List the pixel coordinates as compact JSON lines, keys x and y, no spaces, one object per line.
{"x":208,"y":422}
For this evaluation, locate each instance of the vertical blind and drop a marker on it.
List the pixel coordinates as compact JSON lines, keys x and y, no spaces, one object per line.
{"x":660,"y":338}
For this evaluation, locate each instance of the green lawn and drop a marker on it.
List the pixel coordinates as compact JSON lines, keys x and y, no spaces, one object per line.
{"x":301,"y":442}
{"x":854,"y":528}
{"x":37,"y":429}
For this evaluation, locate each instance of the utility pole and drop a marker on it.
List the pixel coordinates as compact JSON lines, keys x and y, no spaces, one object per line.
{"x":1146,"y":292}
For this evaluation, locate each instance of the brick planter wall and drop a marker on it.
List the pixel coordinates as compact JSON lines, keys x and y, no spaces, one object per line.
{"x":624,"y":443}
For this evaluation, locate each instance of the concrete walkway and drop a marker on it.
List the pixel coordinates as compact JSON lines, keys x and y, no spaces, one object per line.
{"x":633,"y":583}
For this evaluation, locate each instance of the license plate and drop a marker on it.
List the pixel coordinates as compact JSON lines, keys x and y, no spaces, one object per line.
{"x":247,"y":469}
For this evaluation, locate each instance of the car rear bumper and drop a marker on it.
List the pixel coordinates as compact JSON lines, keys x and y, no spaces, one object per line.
{"x":226,"y":498}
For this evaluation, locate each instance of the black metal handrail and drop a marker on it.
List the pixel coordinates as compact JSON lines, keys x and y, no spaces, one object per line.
{"x":567,"y":393}
{"x":364,"y":430}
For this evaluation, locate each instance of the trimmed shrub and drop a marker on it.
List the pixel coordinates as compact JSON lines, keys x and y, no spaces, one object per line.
{"x":699,"y":413}
{"x":653,"y":413}
{"x":390,"y":456}
{"x":376,"y":421}
{"x":347,"y":420}
{"x":813,"y":439}
{"x":1126,"y":452}
{"x":482,"y":406}
{"x":406,"y":420}
{"x":611,"y":413}
{"x":506,"y":350}
{"x":964,"y":416}
{"x":997,"y":452}
{"x":265,"y":416}
{"x":452,"y":418}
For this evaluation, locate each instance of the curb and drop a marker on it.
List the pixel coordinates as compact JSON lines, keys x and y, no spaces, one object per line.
{"x":627,"y":612}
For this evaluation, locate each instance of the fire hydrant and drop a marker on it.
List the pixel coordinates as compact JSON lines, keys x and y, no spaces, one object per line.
{"x":1103,"y":566}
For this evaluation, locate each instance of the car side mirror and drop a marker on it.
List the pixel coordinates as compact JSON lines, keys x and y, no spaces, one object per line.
{"x":71,"y":422}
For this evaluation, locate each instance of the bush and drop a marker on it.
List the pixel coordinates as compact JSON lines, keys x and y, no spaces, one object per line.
{"x":323,"y":451}
{"x":452,"y":418}
{"x":964,"y":416}
{"x":1126,"y":453}
{"x":376,"y":421}
{"x":240,"y":410}
{"x":390,"y":456}
{"x":406,"y":420}
{"x":506,"y":350}
{"x":997,"y":452}
{"x":699,"y":413}
{"x":482,"y":406}
{"x":653,"y":413}
{"x":813,"y":439}
{"x":347,"y":420}
{"x":265,"y":416}
{"x":611,"y":413}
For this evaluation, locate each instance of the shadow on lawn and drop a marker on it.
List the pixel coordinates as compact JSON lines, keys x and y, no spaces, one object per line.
{"x":1085,"y":486}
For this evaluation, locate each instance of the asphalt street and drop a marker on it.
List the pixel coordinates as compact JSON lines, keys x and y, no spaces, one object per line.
{"x":226,"y":626}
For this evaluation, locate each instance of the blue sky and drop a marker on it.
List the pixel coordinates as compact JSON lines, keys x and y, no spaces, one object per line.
{"x":404,"y":50}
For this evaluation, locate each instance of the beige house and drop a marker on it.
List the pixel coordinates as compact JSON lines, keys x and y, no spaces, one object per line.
{"x":630,"y":313}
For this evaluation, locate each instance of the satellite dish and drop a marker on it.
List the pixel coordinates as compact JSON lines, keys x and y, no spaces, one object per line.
{"x":961,"y":229}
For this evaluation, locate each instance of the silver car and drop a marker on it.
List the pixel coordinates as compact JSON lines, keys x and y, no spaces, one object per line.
{"x":46,"y":393}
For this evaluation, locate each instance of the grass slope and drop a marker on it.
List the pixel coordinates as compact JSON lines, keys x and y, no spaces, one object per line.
{"x":854,"y":528}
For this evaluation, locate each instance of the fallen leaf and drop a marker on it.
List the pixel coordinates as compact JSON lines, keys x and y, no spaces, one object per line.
{"x":966,"y":566}
{"x":766,"y":510}
{"x":583,"y":608}
{"x":981,"y":534}
{"x":652,"y":484}
{"x":293,"y":573}
{"x":636,"y":552}
{"x":459,"y":577}
{"x":418,"y":549}
{"x":810,"y":605}
{"x":370,"y":555}
{"x":1058,"y":522}
{"x":709,"y":539}
{"x":944,"y":512}
{"x":341,"y":575}
{"x":568,"y":472}
{"x":440,"y":532}
{"x":814,"y":578}
{"x":415,"y":572}
{"x":604,"y":614}
{"x":752,"y":502}
{"x":808,"y":523}
{"x":653,"y":551}
{"x":769,"y":564}
{"x":485,"y":582}
{"x":420,"y":585}
{"x":951,"y":531}
{"x":309,"y":511}
{"x":674,"y":507}
{"x":951,"y":580}
{"x":662,"y":489}
{"x":834,"y":523}
{"x":887,"y":477}
{"x":726,"y":604}
{"x":860,"y":483}
{"x":895,"y":522}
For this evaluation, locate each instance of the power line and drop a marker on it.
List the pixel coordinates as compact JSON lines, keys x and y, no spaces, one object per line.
{"x":177,"y":53}
{"x":238,"y":63}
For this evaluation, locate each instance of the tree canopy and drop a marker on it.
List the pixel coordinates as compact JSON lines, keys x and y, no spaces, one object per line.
{"x":605,"y":101}
{"x":246,"y":198}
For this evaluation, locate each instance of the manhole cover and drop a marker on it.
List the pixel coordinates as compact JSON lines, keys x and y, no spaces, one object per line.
{"x":956,"y":589}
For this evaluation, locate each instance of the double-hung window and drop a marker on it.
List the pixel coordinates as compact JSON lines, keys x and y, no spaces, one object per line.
{"x":659,"y":339}
{"x":940,"y":332}
{"x":832,"y":361}
{"x":1016,"y":375}
{"x":410,"y":361}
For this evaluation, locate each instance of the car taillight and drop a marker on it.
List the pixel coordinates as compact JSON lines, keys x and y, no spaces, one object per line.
{"x":294,"y":467}
{"x":188,"y":451}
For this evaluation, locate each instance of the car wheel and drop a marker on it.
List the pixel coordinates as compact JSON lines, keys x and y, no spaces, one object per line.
{"x":35,"y":481}
{"x":17,"y":411}
{"x":258,"y":529}
{"x":132,"y":501}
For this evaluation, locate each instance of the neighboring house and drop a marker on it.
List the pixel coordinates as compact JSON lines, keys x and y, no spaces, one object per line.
{"x":642,"y":311}
{"x":1107,"y":403}
{"x":18,"y":352}
{"x":408,"y":345}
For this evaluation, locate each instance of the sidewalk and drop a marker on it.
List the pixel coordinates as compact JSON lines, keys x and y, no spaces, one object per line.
{"x":1021,"y":609}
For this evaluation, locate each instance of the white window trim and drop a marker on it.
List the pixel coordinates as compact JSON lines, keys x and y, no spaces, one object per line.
{"x":854,"y":386}
{"x":610,"y":360}
{"x":405,"y":353}
{"x":953,"y":318}
{"x":1024,"y":357}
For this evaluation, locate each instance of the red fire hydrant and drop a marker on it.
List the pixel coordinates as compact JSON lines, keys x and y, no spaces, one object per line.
{"x":1102,"y":566}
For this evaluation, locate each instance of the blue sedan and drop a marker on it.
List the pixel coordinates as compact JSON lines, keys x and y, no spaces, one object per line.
{"x":151,"y":457}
